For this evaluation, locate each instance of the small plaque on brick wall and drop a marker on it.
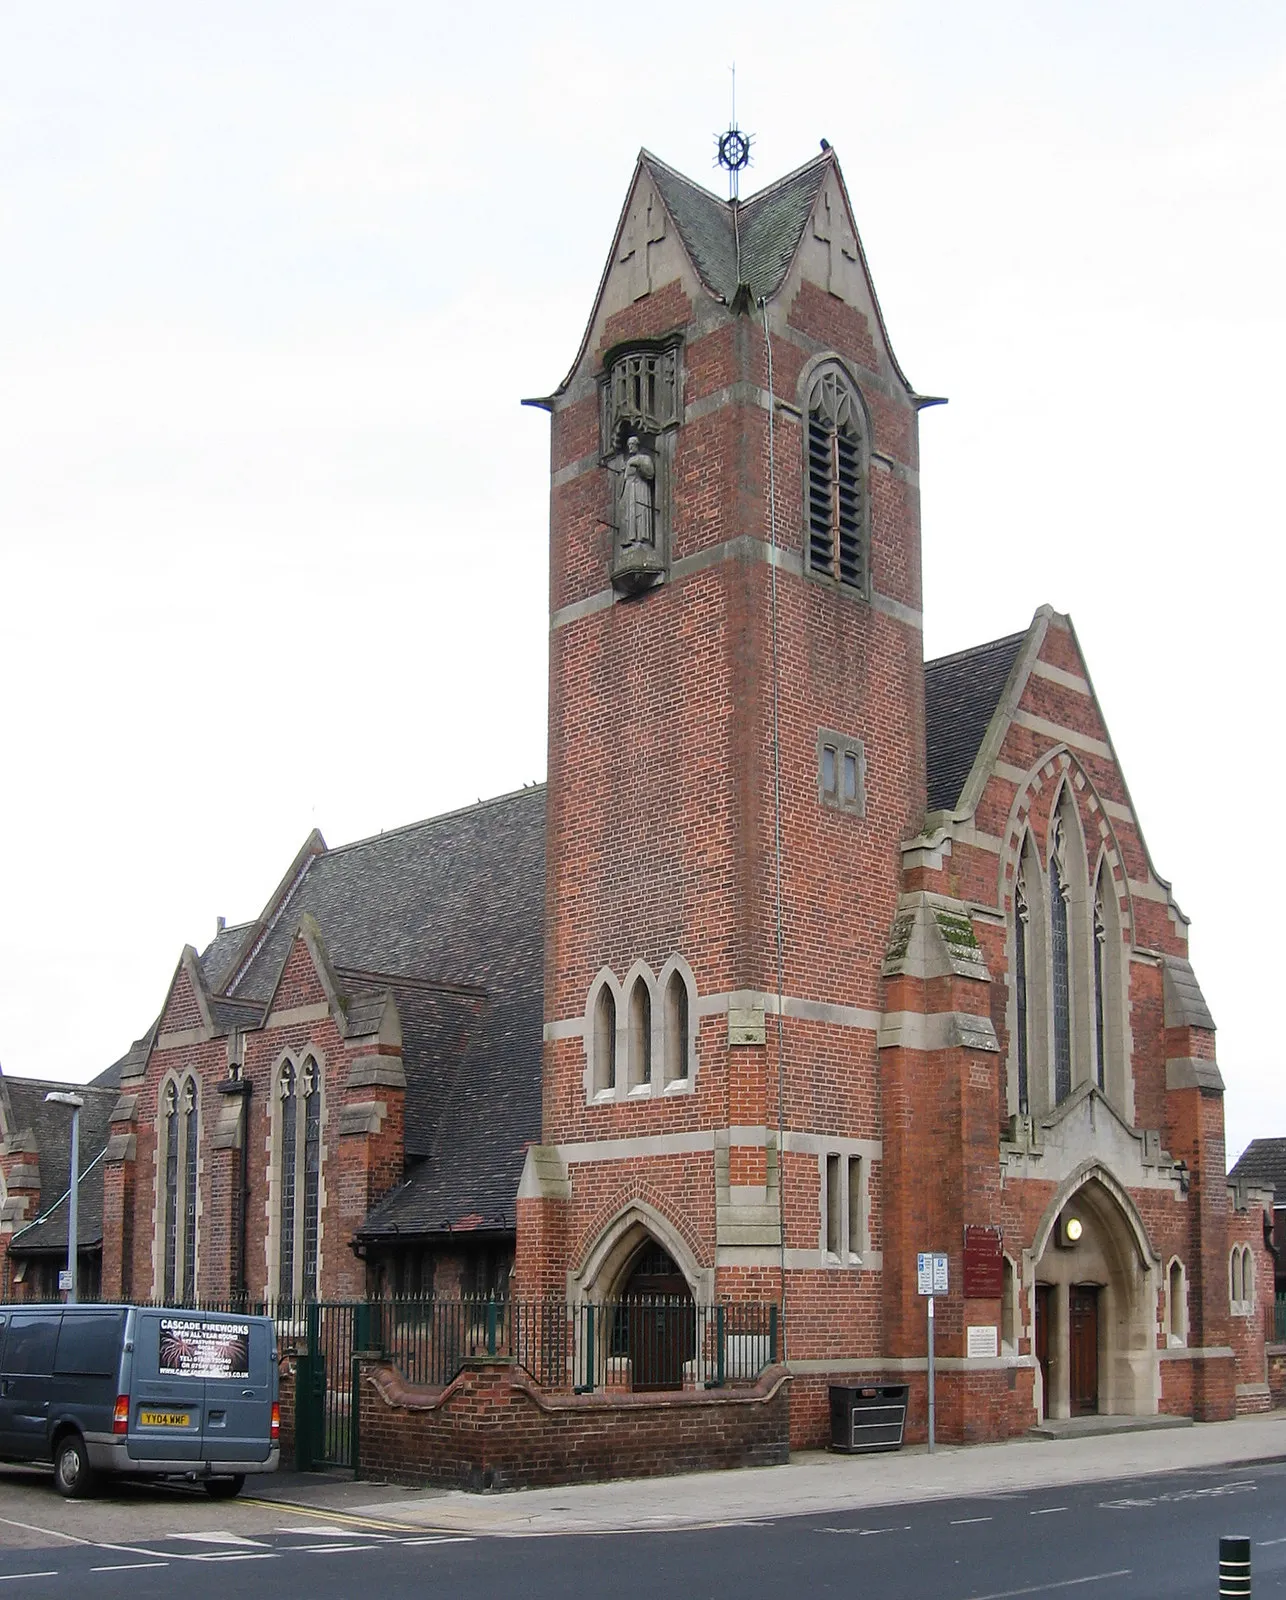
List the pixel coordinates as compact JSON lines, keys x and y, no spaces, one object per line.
{"x":746,"y":1025}
{"x":984,"y":1264}
{"x":981,"y":1342}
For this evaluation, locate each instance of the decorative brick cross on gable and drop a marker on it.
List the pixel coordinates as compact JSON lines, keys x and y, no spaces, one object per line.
{"x":831,"y":234}
{"x":645,"y":228}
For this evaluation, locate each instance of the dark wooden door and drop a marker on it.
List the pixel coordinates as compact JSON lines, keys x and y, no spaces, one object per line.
{"x":658,"y":1321}
{"x":1044,"y":1308}
{"x":1083,"y":1312}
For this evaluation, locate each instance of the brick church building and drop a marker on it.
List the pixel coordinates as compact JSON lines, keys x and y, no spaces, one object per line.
{"x":808,"y":957}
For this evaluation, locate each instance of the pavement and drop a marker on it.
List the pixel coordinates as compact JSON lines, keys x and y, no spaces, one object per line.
{"x":812,"y":1482}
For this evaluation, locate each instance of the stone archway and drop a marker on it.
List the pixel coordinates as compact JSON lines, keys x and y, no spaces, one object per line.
{"x":641,"y":1279}
{"x":1094,"y":1295}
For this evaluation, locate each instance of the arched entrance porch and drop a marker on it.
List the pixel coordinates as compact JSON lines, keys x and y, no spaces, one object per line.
{"x":644,"y":1287}
{"x":1094,"y":1294}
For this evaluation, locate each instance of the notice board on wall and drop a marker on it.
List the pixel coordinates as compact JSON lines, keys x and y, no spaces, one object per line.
{"x":984,"y":1263}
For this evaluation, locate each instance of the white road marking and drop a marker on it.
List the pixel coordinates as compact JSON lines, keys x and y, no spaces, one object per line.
{"x":217,"y":1538}
{"x":864,"y":1533}
{"x":331,"y":1549}
{"x":130,"y":1566}
{"x":1065,"y":1583}
{"x":963,"y":1522}
{"x":1048,"y":1511}
{"x":1264,"y":1543}
{"x":234,"y":1555}
{"x":332,"y":1532}
{"x":1175,"y":1495}
{"x":443,"y":1538}
{"x":53,"y":1533}
{"x":7,"y":1577}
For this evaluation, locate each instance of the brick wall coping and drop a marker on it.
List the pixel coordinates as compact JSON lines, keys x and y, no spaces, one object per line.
{"x":396,"y":1391}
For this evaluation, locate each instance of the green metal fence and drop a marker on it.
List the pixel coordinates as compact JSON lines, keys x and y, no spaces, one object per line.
{"x":640,"y":1343}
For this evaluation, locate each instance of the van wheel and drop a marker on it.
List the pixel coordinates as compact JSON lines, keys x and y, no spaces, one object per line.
{"x":225,"y":1488}
{"x":72,"y":1472}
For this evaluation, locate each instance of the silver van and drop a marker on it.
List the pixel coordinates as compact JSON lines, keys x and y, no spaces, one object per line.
{"x":142,"y":1390}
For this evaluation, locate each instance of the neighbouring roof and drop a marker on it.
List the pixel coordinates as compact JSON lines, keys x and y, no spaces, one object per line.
{"x":51,"y":1125}
{"x":961,"y":693}
{"x":1263,"y":1162}
{"x":768,"y":225}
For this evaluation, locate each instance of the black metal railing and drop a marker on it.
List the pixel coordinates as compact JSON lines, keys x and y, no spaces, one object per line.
{"x":1275,"y":1320}
{"x":640,"y":1343}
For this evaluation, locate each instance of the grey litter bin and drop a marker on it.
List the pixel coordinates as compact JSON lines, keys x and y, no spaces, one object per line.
{"x":869,"y":1417}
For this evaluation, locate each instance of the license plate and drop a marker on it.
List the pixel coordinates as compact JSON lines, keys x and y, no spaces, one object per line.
{"x":165,"y":1419}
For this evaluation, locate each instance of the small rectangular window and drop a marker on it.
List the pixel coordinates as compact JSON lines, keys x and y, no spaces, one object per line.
{"x":841,"y":772}
{"x":33,"y":1336}
{"x":854,"y":1207}
{"x":834,"y":1211}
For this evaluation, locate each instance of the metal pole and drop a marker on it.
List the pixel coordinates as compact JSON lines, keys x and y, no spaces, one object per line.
{"x":73,"y":1217}
{"x":1234,"y":1568}
{"x":931,"y":1396}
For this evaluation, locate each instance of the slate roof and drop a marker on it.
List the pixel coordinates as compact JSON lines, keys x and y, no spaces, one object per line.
{"x":769,"y":225}
{"x":51,"y":1125}
{"x":449,"y":914}
{"x":961,"y":693}
{"x":1263,"y":1162}
{"x":219,"y":955}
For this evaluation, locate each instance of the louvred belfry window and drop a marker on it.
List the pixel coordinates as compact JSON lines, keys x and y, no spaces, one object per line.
{"x":836,"y":482}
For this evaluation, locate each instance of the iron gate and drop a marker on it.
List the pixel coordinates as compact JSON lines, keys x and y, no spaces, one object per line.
{"x":326,"y":1409}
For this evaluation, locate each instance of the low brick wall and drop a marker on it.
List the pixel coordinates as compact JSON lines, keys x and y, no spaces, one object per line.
{"x":493,"y":1428}
{"x":1276,"y":1354}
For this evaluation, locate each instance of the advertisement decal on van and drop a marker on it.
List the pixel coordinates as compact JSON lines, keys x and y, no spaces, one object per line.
{"x":191,"y":1348}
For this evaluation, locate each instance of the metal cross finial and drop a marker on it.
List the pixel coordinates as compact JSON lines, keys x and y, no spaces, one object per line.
{"x":733,"y":147}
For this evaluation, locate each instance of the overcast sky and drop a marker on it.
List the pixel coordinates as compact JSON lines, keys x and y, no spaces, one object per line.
{"x":274,"y":277}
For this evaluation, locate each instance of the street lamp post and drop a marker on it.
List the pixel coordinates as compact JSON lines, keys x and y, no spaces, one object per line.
{"x":62,"y":1097}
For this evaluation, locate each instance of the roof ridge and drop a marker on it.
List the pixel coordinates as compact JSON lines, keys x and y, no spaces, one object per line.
{"x":969,"y":650}
{"x":825,"y":157}
{"x":441,"y":816}
{"x":59,"y":1083}
{"x":406,"y":980}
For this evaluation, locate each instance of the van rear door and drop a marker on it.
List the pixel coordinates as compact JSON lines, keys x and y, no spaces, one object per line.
{"x":25,"y":1383}
{"x":238,"y":1389}
{"x":167,"y":1401}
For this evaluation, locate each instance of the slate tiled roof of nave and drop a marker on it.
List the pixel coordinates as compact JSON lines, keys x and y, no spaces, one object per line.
{"x":458,"y":903}
{"x":769,"y":225}
{"x":961,"y":693}
{"x":26,"y":1111}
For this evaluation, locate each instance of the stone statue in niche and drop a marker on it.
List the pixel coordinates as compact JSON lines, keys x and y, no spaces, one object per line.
{"x":636,"y":500}
{"x":638,"y":556}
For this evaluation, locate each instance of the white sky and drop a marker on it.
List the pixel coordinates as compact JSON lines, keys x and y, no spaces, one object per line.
{"x":273,"y":278}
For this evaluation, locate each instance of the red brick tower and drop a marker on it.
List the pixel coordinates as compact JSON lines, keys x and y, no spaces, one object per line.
{"x":736,"y":738}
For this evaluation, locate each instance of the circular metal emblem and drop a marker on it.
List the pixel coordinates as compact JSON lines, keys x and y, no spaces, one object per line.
{"x":734,"y":150}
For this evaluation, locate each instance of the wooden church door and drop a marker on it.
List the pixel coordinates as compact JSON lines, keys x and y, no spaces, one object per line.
{"x":1083,"y":1312}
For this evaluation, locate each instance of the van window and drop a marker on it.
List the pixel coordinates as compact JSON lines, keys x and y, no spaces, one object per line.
{"x":32,"y":1337}
{"x":90,"y":1343}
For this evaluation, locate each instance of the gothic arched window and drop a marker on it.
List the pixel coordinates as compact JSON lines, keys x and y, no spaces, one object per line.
{"x":170,"y":1230}
{"x":677,"y":1043}
{"x":1100,"y":997}
{"x":835,"y":481}
{"x":190,"y":1150}
{"x":604,"y":1041}
{"x":1022,"y":918}
{"x":289,"y":1101}
{"x":299,"y":1095}
{"x":640,"y":1067}
{"x":178,"y":1164}
{"x":312,"y":1175}
{"x":1059,"y":951}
